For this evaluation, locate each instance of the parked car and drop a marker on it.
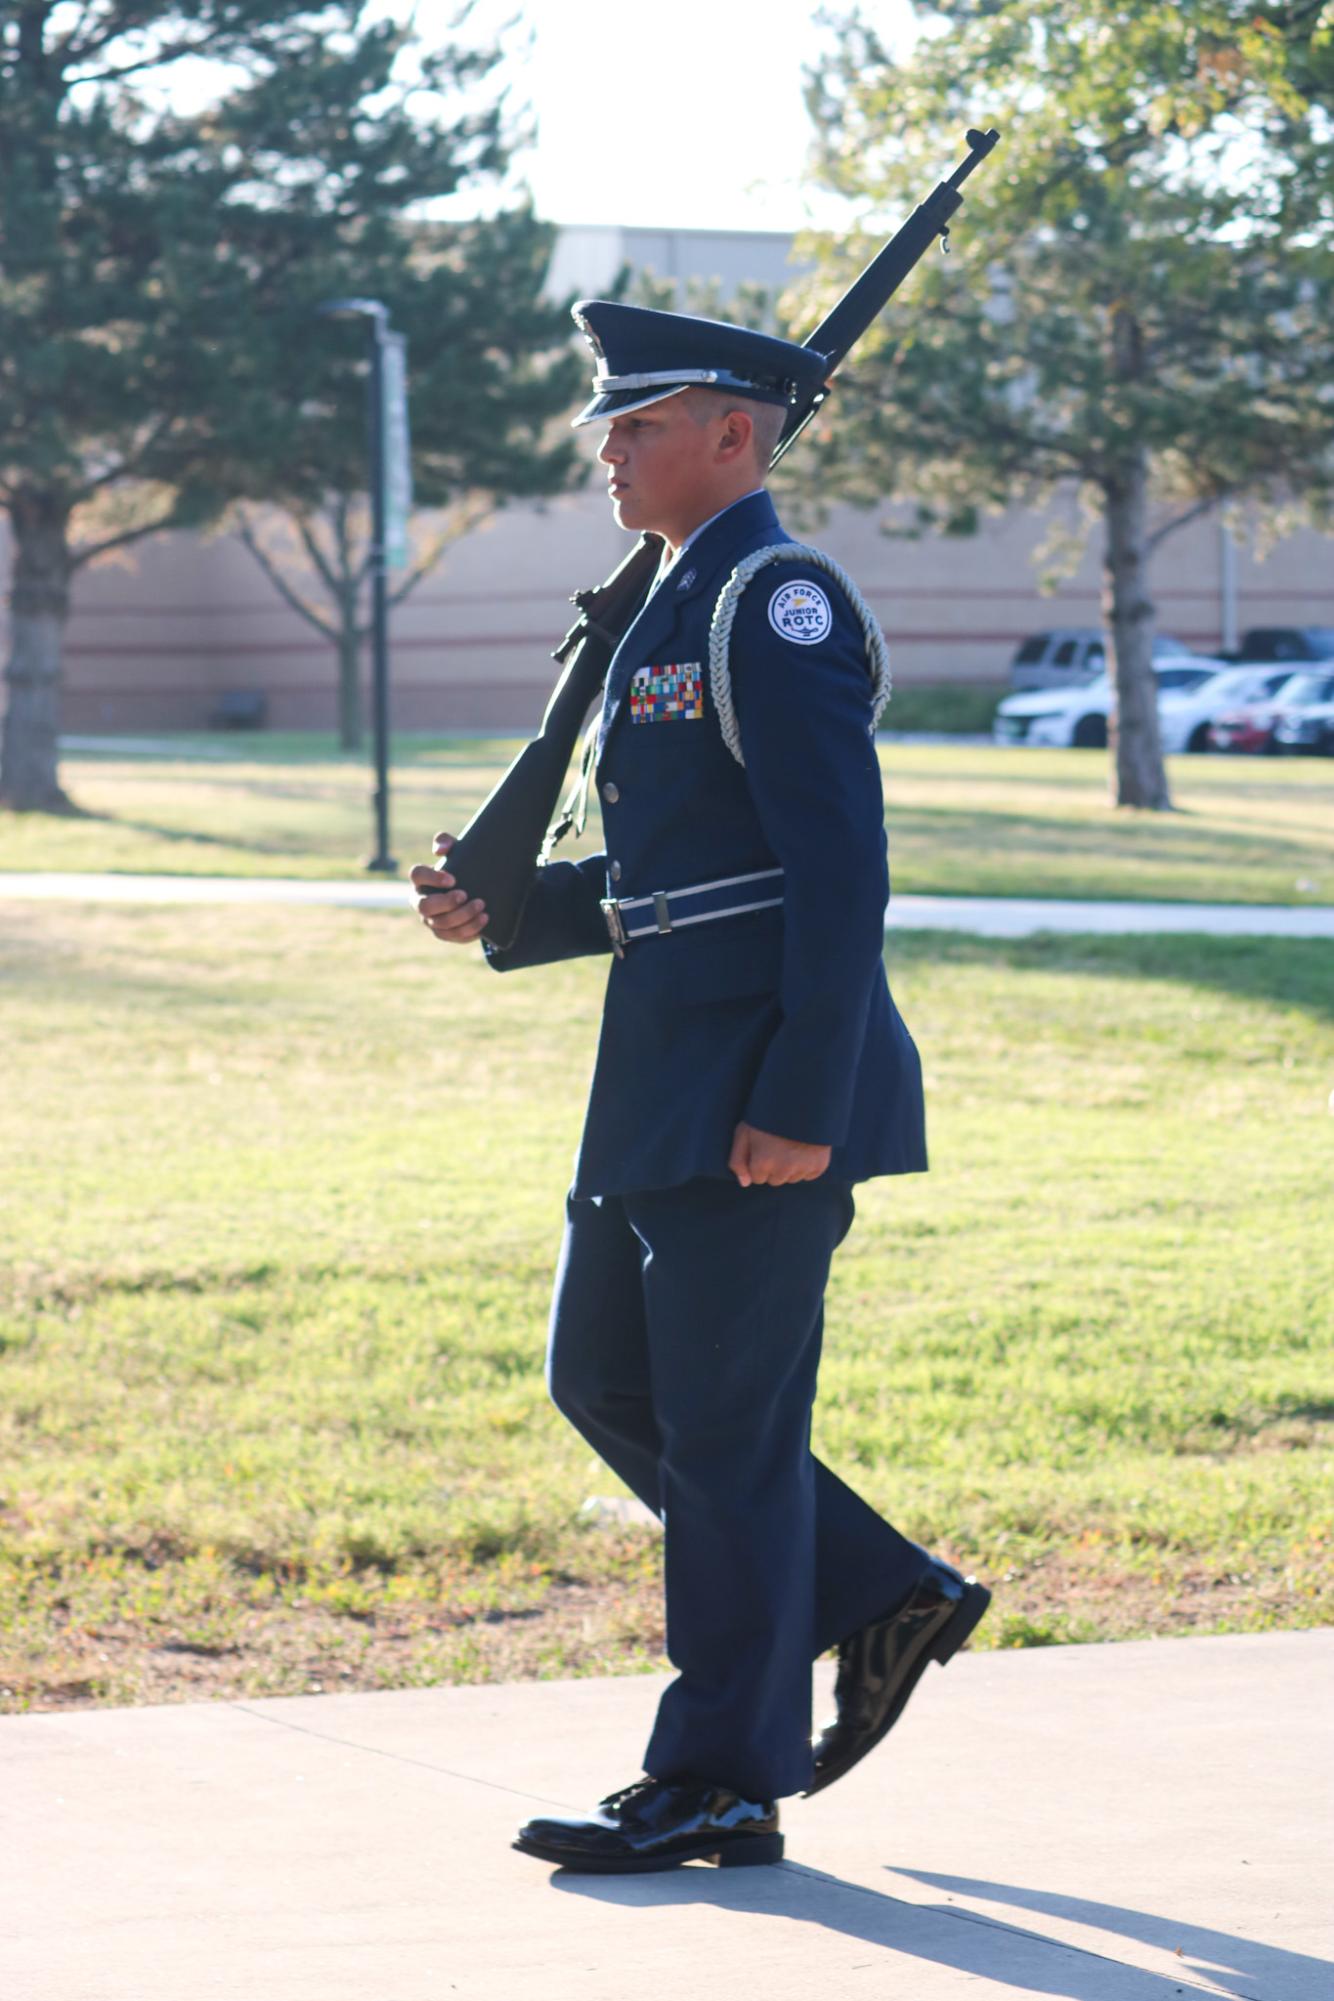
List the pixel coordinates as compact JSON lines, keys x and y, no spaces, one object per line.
{"x":1072,"y":656}
{"x":1293,"y":643}
{"x":1305,"y":722}
{"x":1185,"y":715}
{"x":1250,"y":726}
{"x":1077,"y":717}
{"x":1057,"y":659}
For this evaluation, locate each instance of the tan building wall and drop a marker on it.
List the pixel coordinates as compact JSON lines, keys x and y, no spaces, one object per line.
{"x":155,"y":640}
{"x":588,"y":257}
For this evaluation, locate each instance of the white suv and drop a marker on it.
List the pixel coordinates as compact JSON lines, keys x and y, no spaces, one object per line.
{"x":1076,"y":718}
{"x":1072,"y":656}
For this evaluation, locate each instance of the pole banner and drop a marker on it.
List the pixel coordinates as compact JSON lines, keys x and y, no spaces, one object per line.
{"x":397,"y":449}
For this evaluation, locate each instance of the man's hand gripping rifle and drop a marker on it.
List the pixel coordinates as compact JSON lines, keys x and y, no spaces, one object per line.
{"x":497,"y":854}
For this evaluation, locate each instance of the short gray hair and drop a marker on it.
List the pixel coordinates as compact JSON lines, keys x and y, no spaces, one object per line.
{"x":767,"y":419}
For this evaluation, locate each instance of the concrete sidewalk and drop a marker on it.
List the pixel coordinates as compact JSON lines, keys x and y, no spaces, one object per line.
{"x":1117,"y":1823}
{"x":983,"y":916}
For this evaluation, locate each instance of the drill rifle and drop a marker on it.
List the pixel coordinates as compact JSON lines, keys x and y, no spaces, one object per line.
{"x":497,"y":854}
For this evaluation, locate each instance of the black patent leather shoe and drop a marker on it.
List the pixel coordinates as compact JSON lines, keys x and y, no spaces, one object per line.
{"x":651,"y":1825}
{"x":881,"y":1665}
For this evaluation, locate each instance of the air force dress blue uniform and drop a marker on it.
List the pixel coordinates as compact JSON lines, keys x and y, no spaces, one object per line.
{"x":686,"y":1325}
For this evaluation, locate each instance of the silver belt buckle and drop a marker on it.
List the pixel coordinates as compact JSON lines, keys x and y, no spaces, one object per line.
{"x":611,"y":911}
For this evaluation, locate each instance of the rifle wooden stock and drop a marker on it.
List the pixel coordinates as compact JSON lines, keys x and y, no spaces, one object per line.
{"x":495,"y":857}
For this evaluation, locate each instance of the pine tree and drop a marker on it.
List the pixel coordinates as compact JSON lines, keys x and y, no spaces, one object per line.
{"x":160,"y":266}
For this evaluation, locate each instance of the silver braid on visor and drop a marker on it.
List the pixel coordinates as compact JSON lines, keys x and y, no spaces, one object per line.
{"x":667,"y":378}
{"x":657,"y":378}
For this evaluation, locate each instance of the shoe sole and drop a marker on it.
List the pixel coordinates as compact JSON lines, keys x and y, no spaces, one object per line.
{"x":956,"y":1629}
{"x":750,"y":1852}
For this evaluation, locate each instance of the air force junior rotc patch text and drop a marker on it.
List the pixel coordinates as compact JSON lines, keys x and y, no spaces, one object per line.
{"x":801,"y":612}
{"x":667,"y":694}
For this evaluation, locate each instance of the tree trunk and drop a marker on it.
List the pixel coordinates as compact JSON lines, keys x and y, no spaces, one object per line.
{"x":1137,"y":776}
{"x":349,"y":675}
{"x":39,"y":605}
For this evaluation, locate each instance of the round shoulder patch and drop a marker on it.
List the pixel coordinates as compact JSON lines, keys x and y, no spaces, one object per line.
{"x":801,"y":612}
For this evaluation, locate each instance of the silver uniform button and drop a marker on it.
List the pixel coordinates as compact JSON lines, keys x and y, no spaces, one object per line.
{"x":615,"y":871}
{"x":611,"y":793}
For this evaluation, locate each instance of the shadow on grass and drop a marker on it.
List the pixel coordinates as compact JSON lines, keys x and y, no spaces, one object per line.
{"x":296,"y":847}
{"x":192,"y":837}
{"x":1086,"y":772}
{"x":1292,"y":972}
{"x":1321,"y":1411}
{"x":303,"y":747}
{"x":47,"y":1291}
{"x":1124,"y":846}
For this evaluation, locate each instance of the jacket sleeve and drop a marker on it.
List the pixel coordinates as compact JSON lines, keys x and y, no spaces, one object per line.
{"x":810,"y":759}
{"x":561,"y":919}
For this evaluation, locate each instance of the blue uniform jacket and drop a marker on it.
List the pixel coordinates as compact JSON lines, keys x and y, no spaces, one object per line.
{"x":782,"y":1017}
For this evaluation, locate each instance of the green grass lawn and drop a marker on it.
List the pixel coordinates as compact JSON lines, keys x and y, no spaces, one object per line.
{"x":964,"y":820}
{"x":278,"y":1231}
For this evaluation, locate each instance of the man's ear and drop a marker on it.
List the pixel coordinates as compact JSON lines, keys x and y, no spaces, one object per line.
{"x":736,"y":438}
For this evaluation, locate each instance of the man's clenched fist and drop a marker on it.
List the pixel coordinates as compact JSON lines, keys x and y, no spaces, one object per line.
{"x":763,"y":1160}
{"x":444,"y":908}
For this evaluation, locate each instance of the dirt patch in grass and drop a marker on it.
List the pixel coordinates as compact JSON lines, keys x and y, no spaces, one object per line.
{"x":1059,"y":1599}
{"x":578,"y":1628}
{"x":585,"y":1627}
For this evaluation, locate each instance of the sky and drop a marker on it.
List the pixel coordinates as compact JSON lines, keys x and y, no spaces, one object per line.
{"x":688,"y":115}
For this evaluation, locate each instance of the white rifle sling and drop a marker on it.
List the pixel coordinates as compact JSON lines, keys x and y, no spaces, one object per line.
{"x":724,"y":614}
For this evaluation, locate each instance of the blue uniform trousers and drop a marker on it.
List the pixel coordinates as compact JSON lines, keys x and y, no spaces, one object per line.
{"x":685,"y":1342}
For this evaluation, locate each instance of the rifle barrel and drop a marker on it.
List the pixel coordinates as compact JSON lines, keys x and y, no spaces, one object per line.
{"x":869,"y":294}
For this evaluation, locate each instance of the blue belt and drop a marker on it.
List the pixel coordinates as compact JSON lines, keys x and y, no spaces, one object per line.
{"x":703,"y":903}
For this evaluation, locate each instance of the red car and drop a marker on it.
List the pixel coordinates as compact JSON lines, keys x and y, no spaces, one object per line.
{"x":1250,"y":726}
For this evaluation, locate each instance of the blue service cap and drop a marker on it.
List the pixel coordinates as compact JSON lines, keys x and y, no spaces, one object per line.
{"x":643,"y":355}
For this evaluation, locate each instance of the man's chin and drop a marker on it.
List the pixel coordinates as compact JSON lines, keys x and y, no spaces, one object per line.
{"x":627,"y":514}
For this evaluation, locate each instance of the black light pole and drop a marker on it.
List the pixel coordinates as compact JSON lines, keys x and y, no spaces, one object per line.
{"x":377,"y":318}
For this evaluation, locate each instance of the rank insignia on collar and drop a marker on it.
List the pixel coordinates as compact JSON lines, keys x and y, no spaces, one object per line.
{"x":687,"y":580}
{"x":667,"y":694}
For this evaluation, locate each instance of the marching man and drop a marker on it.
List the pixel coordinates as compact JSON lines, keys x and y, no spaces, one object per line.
{"x":752,"y":1068}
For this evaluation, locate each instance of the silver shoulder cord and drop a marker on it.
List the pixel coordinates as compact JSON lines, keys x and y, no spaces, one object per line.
{"x":724,"y":613}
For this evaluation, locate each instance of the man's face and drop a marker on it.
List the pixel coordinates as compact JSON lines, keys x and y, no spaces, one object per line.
{"x":662,"y":467}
